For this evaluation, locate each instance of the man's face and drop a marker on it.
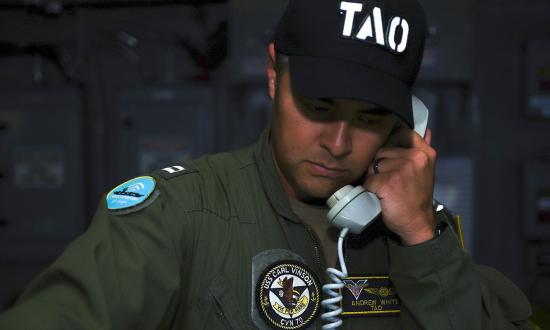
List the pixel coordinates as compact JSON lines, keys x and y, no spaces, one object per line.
{"x":320,"y":145}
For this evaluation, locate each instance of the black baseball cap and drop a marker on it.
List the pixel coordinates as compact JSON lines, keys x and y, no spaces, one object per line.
{"x":362,"y":50}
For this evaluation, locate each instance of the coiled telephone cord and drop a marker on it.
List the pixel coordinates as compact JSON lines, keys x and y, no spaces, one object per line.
{"x":332,"y":290}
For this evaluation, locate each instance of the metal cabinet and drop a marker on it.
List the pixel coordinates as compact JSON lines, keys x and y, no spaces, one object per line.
{"x":41,"y":176}
{"x":162,"y":126}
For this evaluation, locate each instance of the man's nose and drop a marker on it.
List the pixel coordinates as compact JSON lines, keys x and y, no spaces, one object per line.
{"x":336,"y":139}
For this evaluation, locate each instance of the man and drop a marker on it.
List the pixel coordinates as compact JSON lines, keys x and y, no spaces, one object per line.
{"x":240,"y":240}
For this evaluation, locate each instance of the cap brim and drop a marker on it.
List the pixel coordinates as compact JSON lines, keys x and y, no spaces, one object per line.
{"x":320,"y":77}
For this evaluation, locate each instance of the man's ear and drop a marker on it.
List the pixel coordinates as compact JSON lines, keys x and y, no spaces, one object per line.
{"x":271,"y":72}
{"x":401,"y":136}
{"x":391,"y":141}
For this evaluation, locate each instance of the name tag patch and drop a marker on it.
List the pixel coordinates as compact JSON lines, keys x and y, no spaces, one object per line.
{"x":369,"y":295}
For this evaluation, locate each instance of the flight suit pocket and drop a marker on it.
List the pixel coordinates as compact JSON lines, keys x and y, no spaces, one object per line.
{"x":228,"y":308}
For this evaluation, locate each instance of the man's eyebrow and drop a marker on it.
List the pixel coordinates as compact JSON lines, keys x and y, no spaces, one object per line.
{"x":376,"y":110}
{"x":327,"y":100}
{"x":379,"y":111}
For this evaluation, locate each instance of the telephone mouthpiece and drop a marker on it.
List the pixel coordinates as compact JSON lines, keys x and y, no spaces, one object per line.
{"x":337,"y":196}
{"x":353,"y":208}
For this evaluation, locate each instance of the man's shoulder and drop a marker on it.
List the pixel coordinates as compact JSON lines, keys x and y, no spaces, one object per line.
{"x":221,"y":165}
{"x":207,"y":182}
{"x":204,"y":183}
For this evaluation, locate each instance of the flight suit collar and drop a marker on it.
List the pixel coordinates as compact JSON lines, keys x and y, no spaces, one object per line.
{"x":270,"y":179}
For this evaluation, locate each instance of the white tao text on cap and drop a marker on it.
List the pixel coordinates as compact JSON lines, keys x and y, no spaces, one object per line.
{"x":367,"y":31}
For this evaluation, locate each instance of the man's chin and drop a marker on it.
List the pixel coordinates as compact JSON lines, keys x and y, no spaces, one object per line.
{"x":318,"y":193}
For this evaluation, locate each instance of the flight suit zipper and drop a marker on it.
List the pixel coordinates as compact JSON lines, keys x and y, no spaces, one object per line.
{"x":318,"y":252}
{"x":221,"y":314}
{"x":315,"y":246}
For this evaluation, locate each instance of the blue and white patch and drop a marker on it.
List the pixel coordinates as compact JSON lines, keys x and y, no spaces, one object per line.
{"x":131,"y":193}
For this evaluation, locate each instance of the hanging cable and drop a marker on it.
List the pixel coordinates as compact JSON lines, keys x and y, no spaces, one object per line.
{"x":332,"y":290}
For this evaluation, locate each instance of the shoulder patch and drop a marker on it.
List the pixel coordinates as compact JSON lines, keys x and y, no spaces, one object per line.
{"x":132,"y":193}
{"x":175,"y":171}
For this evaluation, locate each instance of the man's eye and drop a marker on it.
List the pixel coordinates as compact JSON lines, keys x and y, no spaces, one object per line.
{"x":320,"y":108}
{"x":368,"y":119}
{"x":320,"y":113}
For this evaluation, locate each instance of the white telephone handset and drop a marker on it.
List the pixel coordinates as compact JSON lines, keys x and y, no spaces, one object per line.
{"x":352,"y":209}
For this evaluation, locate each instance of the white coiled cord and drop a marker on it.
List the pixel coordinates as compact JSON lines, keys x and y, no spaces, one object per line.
{"x":332,"y":304}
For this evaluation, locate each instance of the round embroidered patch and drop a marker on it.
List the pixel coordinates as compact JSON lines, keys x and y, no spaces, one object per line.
{"x":130,"y":193}
{"x":288,"y":295}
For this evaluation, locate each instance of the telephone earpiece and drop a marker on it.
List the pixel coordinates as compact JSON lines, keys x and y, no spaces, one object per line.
{"x":353,"y":207}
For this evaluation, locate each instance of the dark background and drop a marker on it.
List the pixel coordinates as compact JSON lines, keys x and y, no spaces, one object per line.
{"x":93,"y":93}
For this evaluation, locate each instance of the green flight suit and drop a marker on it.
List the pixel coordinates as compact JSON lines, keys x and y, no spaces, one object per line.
{"x":184,"y":262}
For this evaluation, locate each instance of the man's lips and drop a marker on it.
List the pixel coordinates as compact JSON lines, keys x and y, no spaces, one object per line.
{"x":318,"y":169}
